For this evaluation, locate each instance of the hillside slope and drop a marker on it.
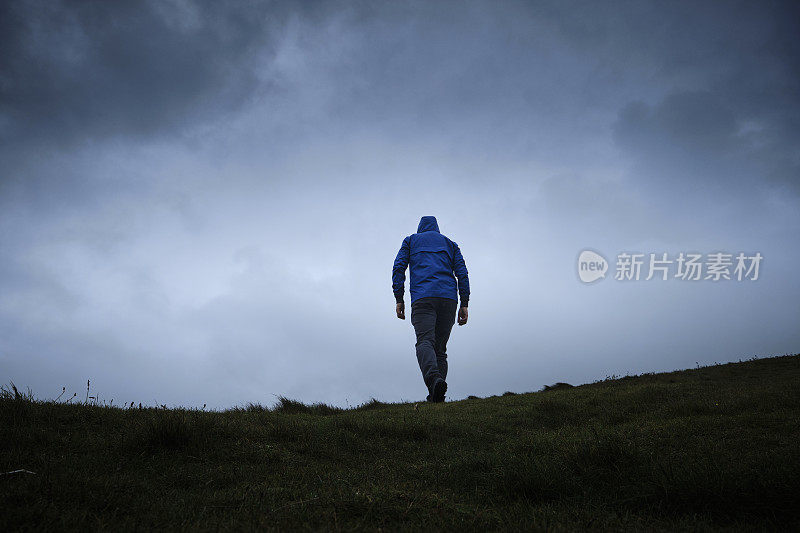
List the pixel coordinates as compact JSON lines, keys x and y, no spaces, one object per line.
{"x":711,"y":447}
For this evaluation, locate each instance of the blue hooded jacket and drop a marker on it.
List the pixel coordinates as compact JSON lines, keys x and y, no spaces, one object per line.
{"x":434,"y":259}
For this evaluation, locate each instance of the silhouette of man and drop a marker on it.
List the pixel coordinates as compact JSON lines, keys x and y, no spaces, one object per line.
{"x":434,"y":259}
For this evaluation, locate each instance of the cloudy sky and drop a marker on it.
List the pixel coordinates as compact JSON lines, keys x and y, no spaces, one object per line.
{"x":200,"y":202}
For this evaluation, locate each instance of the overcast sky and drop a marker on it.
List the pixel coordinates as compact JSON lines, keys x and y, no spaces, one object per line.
{"x":201,"y":202}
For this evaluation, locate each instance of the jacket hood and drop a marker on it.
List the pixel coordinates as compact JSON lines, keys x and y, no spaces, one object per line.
{"x":428,"y":224}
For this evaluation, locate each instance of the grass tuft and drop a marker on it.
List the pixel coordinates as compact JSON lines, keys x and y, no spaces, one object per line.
{"x":370,"y":405}
{"x":288,"y":406}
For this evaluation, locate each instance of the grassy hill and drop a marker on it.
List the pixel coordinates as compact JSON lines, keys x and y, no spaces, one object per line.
{"x":708,"y":448}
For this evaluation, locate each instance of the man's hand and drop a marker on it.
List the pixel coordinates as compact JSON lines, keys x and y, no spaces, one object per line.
{"x":462,"y":316}
{"x":401,"y":311}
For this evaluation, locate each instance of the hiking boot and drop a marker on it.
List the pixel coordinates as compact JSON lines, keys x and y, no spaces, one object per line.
{"x":438,"y":391}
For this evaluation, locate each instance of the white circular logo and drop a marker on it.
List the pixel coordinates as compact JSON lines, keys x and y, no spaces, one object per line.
{"x":591,"y":266}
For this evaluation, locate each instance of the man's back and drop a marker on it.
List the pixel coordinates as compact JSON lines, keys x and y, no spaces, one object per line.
{"x":436,"y":264}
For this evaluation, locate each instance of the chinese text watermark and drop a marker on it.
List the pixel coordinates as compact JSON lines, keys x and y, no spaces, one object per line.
{"x":686,"y":266}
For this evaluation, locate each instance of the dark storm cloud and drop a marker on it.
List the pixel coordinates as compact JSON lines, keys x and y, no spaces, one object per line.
{"x":200,"y":201}
{"x":698,"y":159}
{"x":76,"y":70}
{"x":733,"y":126}
{"x":687,"y":145}
{"x":706,"y":144}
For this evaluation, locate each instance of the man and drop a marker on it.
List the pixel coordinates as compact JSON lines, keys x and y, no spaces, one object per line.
{"x":434,"y":259}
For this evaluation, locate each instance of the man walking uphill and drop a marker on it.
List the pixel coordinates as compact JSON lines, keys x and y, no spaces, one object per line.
{"x":434,"y":259}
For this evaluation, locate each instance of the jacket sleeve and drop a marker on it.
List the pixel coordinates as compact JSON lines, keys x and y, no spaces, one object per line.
{"x":460,"y":270}
{"x":399,"y":271}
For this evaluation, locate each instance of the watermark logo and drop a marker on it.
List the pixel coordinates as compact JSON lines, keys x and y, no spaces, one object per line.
{"x":686,"y":266}
{"x":591,"y":266}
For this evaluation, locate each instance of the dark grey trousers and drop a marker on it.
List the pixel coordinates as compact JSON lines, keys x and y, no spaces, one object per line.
{"x":433,"y":319}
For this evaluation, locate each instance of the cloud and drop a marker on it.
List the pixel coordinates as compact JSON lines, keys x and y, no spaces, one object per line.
{"x":74,"y":72}
{"x":200,"y":202}
{"x":703,"y":142}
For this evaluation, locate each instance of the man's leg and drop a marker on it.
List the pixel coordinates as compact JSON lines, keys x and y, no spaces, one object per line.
{"x":445,"y":318}
{"x":423,"y":318}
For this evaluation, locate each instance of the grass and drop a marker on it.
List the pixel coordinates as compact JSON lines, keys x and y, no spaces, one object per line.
{"x":709,"y":448}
